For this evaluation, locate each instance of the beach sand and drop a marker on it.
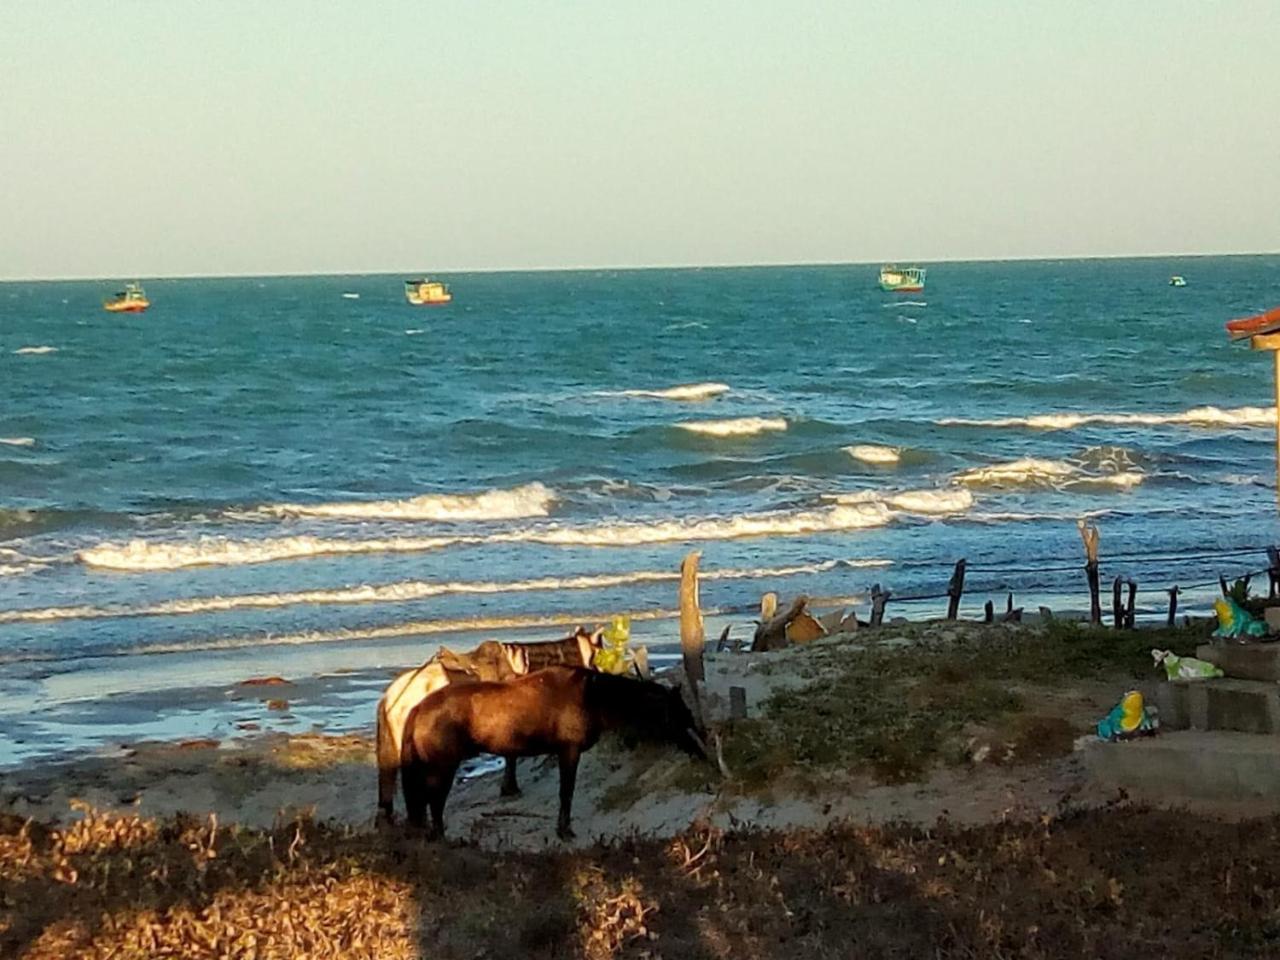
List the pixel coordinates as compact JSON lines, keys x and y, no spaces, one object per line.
{"x":265,"y":772}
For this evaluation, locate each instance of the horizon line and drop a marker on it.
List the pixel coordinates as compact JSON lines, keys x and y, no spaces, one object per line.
{"x":638,"y":267}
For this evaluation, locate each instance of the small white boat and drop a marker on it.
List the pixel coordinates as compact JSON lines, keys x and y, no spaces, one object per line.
{"x":1177,"y":281}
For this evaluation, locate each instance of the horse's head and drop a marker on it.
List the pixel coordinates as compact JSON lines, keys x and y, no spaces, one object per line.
{"x":680,"y":725}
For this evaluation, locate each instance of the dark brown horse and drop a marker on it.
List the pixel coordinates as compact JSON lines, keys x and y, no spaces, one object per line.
{"x":489,"y":661}
{"x":558,"y":710}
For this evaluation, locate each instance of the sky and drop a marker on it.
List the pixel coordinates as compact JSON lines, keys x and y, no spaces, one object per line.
{"x":146,"y":138}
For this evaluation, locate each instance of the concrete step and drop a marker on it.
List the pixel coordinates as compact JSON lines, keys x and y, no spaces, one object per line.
{"x":1244,"y":661}
{"x":1196,"y":765}
{"x":1241,"y":706}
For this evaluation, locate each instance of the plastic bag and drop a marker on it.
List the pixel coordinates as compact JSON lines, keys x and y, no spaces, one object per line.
{"x":1129,"y":718}
{"x":1185,"y":668}
{"x":614,"y":656}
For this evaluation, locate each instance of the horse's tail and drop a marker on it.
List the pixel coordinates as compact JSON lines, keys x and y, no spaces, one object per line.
{"x":388,"y":764}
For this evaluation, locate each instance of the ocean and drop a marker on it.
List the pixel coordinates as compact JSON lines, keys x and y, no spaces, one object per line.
{"x":265,"y":473}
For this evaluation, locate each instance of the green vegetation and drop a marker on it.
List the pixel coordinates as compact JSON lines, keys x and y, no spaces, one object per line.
{"x":895,"y":712}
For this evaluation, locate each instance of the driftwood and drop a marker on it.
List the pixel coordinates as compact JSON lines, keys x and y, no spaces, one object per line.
{"x":771,"y":634}
{"x":723,"y":643}
{"x":1173,"y":604}
{"x":849,"y":624}
{"x":1011,"y":615}
{"x":805,"y":628}
{"x":878,"y":599}
{"x":831,"y":621}
{"x":1090,"y":535}
{"x":693,"y":636}
{"x":954,"y":589}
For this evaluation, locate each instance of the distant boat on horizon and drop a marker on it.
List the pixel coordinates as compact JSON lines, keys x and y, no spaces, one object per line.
{"x":132,"y":299}
{"x":351,"y":296}
{"x":901,"y":279}
{"x":426,"y":293}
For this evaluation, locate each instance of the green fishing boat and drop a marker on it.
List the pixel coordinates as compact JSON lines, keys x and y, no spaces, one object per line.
{"x":902,"y":279}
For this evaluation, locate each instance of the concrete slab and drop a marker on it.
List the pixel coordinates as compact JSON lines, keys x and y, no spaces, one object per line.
{"x":1242,"y":706}
{"x":1195,"y":765}
{"x":1244,"y":661}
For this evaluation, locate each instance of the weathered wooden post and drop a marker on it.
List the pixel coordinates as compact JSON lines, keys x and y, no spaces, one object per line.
{"x":1117,"y":608}
{"x":1173,"y":604}
{"x":989,"y":612}
{"x":954,"y":589}
{"x":737,"y":703}
{"x":1222,"y":583}
{"x":1011,"y":615}
{"x":693,"y":636}
{"x":1133,"y":600}
{"x":1089,"y":534}
{"x":878,"y":599}
{"x":1273,"y":571}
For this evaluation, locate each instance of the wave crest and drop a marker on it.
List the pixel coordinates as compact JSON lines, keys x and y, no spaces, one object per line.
{"x":1195,"y":417}
{"x":871,"y":453}
{"x":740,"y":427}
{"x":685,"y":392}
{"x":529,"y":500}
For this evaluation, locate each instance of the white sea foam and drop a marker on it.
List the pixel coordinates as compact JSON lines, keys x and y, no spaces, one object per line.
{"x":144,"y":555}
{"x":407,"y":591}
{"x":1051,"y":474}
{"x":529,"y":500}
{"x":741,"y":427}
{"x":414,"y":332}
{"x":941,"y":501}
{"x":1195,"y":417}
{"x":685,"y":392}
{"x":18,"y":441}
{"x":36,"y":350}
{"x":870,"y":453}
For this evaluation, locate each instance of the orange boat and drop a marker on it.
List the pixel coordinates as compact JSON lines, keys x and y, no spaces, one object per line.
{"x":131,"y":299}
{"x":1267,"y":322}
{"x":426,"y":293}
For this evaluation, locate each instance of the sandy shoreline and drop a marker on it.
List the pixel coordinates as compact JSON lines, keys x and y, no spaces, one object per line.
{"x":273,"y":762}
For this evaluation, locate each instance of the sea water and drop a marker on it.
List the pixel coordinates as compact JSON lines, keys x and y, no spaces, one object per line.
{"x":265,"y":468}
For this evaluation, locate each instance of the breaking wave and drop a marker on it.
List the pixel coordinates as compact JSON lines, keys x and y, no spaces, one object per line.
{"x":870,"y":453}
{"x":686,"y":392}
{"x":1195,"y":417}
{"x":530,"y":500}
{"x":408,"y":590}
{"x":145,"y":555}
{"x":18,"y":441}
{"x":36,"y":350}
{"x":925,"y":502}
{"x":1031,"y":472}
{"x":741,"y":427}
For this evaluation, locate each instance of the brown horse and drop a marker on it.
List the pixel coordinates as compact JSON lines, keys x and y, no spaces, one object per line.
{"x":559,"y":710}
{"x":489,"y":661}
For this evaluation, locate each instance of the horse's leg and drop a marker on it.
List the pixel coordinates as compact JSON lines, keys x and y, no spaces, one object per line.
{"x":568,"y":776}
{"x":413,"y":779}
{"x":388,"y":768}
{"x":438,"y":782}
{"x":509,"y":786}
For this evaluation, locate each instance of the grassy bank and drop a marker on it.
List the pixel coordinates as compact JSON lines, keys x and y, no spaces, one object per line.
{"x":1113,"y":883}
{"x":895,"y":711}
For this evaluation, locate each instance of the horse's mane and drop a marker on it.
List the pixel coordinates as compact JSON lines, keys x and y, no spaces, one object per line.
{"x":643,"y":707}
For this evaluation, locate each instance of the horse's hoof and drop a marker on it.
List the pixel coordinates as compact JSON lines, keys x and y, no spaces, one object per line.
{"x":510,"y":792}
{"x":566,"y":833}
{"x":384,"y":820}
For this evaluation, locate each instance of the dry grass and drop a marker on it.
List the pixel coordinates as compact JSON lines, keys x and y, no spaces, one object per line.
{"x":1115,"y":883}
{"x":895,"y":712}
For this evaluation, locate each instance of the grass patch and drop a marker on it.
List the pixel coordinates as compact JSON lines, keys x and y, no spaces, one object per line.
{"x":895,"y":712}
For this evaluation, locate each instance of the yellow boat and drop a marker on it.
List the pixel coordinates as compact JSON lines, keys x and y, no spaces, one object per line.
{"x":131,"y":299}
{"x":426,"y":293}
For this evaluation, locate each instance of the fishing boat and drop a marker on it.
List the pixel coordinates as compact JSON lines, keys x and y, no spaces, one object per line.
{"x":902,"y":279}
{"x":1177,"y":281}
{"x":426,"y":293}
{"x":131,"y":299}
